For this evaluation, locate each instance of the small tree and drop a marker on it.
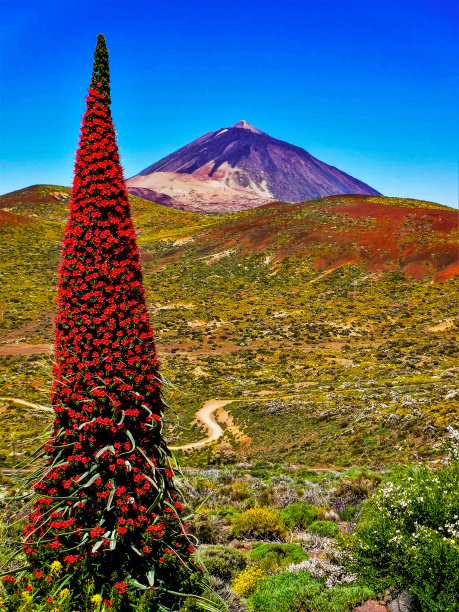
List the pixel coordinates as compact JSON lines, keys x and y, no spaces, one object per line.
{"x":105,"y":530}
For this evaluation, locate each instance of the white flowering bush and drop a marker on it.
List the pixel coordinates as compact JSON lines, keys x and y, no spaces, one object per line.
{"x":453,"y":445}
{"x":408,"y":537}
{"x":321,"y":567}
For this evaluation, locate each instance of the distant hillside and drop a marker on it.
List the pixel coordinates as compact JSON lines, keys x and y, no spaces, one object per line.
{"x":339,"y":314}
{"x":415,"y":237}
{"x":238,"y":168}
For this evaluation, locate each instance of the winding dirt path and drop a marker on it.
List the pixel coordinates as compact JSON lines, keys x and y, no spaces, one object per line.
{"x":205,"y":416}
{"x":16,"y":400}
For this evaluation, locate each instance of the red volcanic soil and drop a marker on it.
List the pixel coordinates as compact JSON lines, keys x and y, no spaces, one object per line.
{"x":32,"y":195}
{"x":10,"y":219}
{"x":403,"y":227}
{"x":447,"y":273}
{"x":442,"y":220}
{"x":416,"y":241}
{"x":35,"y":200}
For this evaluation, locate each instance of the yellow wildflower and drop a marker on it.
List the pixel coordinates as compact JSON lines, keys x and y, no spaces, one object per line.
{"x":55,"y":568}
{"x":248,"y":581}
{"x":64,"y":593}
{"x":96,"y":600}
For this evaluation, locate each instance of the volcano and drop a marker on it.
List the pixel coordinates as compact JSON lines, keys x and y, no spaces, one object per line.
{"x":238,"y":168}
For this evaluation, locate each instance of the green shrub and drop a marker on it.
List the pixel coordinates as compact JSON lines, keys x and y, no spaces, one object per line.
{"x":224,"y":562}
{"x":340,"y":599}
{"x":408,"y":537}
{"x":327,"y":529}
{"x":299,"y":514}
{"x":229,"y":512}
{"x":236,"y":491}
{"x":272,"y":555}
{"x":265,"y":498}
{"x":5,"y":480}
{"x":358,"y":488}
{"x":285,"y":592}
{"x":299,"y":592}
{"x":260,"y":523}
{"x":201,"y":527}
{"x":348,"y":513}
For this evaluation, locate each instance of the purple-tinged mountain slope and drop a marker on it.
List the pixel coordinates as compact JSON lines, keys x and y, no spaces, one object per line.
{"x":240,"y":167}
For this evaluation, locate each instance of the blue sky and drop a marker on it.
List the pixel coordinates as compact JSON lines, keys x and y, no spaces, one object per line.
{"x":369,"y":86}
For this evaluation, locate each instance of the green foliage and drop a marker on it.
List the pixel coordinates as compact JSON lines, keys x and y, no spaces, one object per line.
{"x":327,"y":529}
{"x":200,"y":526}
{"x":408,"y":537}
{"x":348,"y":513}
{"x":299,"y":592}
{"x":229,"y":512}
{"x":224,"y":562}
{"x":236,"y":491}
{"x":299,"y":514}
{"x":101,"y":71}
{"x":339,"y":599}
{"x":359,"y":487}
{"x":279,"y":554}
{"x":260,"y":523}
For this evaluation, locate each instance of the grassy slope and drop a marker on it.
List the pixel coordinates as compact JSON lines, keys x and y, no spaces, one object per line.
{"x":332,"y":303}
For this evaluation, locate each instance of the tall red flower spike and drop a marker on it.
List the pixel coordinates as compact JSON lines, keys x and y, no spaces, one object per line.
{"x":105,"y":505}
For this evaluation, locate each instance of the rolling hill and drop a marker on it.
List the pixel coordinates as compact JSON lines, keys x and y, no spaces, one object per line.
{"x":336,"y":315}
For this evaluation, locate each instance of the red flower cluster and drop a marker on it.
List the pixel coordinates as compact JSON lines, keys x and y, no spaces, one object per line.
{"x":107,"y":491}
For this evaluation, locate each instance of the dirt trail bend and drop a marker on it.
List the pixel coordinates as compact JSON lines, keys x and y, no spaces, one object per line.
{"x":16,"y":400}
{"x":205,"y":415}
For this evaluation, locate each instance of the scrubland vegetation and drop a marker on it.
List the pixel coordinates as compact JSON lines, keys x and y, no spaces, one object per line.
{"x":339,"y":358}
{"x":274,"y":537}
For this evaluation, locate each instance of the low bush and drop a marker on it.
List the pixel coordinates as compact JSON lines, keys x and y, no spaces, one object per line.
{"x":269,"y":556}
{"x":229,"y":513}
{"x":236,"y":491}
{"x":354,"y":490}
{"x":347,"y":513}
{"x":265,"y":498}
{"x":285,"y":592}
{"x":201,"y":527}
{"x":327,"y":529}
{"x":299,"y":592}
{"x":408,"y":537}
{"x":340,"y":599}
{"x":260,"y":523}
{"x":299,"y":514}
{"x":210,"y":528}
{"x":5,"y":481}
{"x":248,"y":581}
{"x":224,"y":562}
